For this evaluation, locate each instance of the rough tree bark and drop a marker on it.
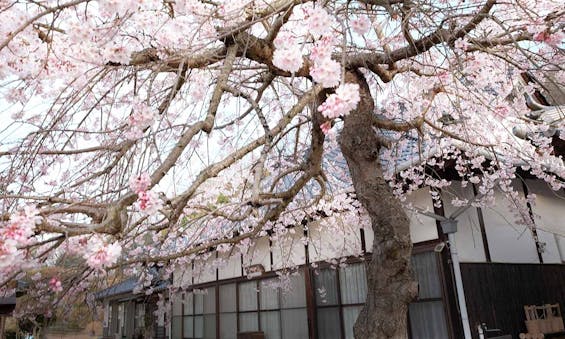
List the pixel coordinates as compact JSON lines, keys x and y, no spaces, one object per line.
{"x":391,"y":283}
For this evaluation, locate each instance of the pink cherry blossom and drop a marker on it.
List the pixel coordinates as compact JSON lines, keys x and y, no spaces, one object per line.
{"x":343,"y":101}
{"x":140,"y":183}
{"x":99,"y":255}
{"x":322,"y":49}
{"x":285,"y":39}
{"x":318,"y":21}
{"x":55,"y":285}
{"x":288,"y":59}
{"x":141,"y":117}
{"x":198,"y":87}
{"x":149,"y":202}
{"x":461,"y":44}
{"x":326,"y":127}
{"x":361,"y":25}
{"x":21,"y":225}
{"x":80,"y":76}
{"x":8,"y":253}
{"x":327,"y":72}
{"x":552,"y":39}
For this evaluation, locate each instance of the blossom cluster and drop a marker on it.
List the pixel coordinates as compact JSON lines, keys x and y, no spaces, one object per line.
{"x":148,"y":201}
{"x":99,"y":255}
{"x":326,"y":72}
{"x":288,"y":59}
{"x":55,"y":285}
{"x":140,"y":183}
{"x":318,"y":21}
{"x":141,"y":118}
{"x":14,"y":234}
{"x":361,"y":25}
{"x":343,"y":101}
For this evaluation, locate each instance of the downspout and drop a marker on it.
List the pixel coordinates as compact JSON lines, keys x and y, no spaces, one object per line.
{"x":449,"y":227}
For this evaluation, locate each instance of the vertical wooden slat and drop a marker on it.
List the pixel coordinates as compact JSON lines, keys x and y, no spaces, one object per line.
{"x":339,"y":302}
{"x":497,"y":293}
{"x":445,"y":271}
{"x":310,"y":302}
{"x":483,"y":228}
{"x":534,"y":231}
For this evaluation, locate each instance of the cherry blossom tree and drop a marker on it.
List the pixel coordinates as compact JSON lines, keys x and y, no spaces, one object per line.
{"x":141,"y":133}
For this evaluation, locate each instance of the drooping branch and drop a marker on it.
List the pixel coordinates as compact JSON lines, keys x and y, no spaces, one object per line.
{"x":312,"y":170}
{"x":182,"y":199}
{"x":38,"y":16}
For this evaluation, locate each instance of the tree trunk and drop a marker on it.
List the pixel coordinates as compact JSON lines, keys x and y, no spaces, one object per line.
{"x":391,"y":283}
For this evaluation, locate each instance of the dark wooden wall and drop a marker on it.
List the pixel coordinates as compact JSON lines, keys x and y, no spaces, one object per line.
{"x":496,"y":293}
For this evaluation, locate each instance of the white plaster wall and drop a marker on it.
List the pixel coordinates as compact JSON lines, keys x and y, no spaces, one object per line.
{"x":335,"y":239}
{"x":508,"y":242}
{"x":468,"y":238}
{"x":422,"y":228}
{"x":551,"y":254}
{"x":205,"y":268}
{"x":288,"y":250}
{"x":183,"y":277}
{"x":561,"y":246}
{"x":177,"y":304}
{"x":549,"y":216}
{"x":369,"y":238}
{"x":230,"y":265}
{"x":258,"y":254}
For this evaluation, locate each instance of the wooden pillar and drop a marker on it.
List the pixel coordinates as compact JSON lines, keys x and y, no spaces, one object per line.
{"x":2,"y":326}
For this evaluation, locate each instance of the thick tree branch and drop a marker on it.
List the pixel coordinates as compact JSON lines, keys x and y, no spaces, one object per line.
{"x":441,"y":35}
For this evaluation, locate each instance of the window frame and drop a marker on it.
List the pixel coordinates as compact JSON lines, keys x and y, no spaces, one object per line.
{"x":308,"y":274}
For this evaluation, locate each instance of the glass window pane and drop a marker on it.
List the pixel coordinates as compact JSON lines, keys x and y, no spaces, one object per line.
{"x":296,"y":297}
{"x":210,"y":300}
{"x":326,"y":287}
{"x":177,"y":305}
{"x":329,"y":323}
{"x":248,"y":296}
{"x":425,"y":267}
{"x":198,"y":326}
{"x":176,"y":327}
{"x":353,"y":283}
{"x":139,"y":320}
{"x":198,"y":303}
{"x":271,"y":324}
{"x":228,"y":326}
{"x":188,"y":300}
{"x":248,"y":322}
{"x":269,"y":296}
{"x":427,"y":320}
{"x":188,"y":327}
{"x":210,"y":326}
{"x":349,"y":317}
{"x":294,"y":323}
{"x":120,"y":317}
{"x":227,"y":298}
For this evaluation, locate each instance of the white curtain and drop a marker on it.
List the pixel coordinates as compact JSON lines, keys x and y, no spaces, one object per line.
{"x":271,"y":324}
{"x":329,"y":323}
{"x":353,"y":283}
{"x":294,"y":323}
{"x":427,"y":320}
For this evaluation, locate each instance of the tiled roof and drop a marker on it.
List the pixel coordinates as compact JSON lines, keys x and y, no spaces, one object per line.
{"x":11,"y":300}
{"x":127,"y":286}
